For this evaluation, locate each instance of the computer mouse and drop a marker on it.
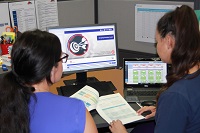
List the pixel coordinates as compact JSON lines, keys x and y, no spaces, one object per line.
{"x":148,"y":103}
{"x":146,"y":113}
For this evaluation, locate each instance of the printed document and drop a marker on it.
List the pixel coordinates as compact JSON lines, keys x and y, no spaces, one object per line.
{"x":4,"y":14}
{"x":89,"y":96}
{"x":23,"y":15}
{"x":33,"y":14}
{"x":47,"y":13}
{"x":110,"y":107}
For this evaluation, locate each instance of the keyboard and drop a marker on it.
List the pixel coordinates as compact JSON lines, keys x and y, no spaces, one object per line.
{"x":142,"y":93}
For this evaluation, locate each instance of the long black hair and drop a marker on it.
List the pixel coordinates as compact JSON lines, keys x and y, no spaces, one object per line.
{"x":32,"y":57}
{"x":182,"y":23}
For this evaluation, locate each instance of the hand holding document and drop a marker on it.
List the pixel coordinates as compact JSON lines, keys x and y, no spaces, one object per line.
{"x":110,"y":107}
{"x":114,"y":107}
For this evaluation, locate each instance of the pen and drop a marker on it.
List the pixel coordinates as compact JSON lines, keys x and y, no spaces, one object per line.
{"x":138,"y":104}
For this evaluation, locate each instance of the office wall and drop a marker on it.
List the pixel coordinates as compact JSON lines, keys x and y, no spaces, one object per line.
{"x":73,"y":12}
{"x":196,"y":2}
{"x":122,"y":12}
{"x":76,"y":12}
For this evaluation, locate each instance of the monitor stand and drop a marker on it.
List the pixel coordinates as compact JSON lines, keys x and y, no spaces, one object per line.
{"x":81,"y":78}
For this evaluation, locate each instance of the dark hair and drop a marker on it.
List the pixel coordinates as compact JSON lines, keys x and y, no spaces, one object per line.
{"x":33,"y":56}
{"x":182,"y":23}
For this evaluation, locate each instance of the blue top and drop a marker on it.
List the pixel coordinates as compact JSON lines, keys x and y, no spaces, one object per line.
{"x":178,"y":108}
{"x":56,"y":114}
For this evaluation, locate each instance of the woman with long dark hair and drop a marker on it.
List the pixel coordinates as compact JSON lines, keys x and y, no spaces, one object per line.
{"x":178,"y":44}
{"x":26,"y":105}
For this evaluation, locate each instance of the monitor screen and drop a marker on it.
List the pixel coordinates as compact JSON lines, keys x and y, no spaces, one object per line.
{"x":90,"y":48}
{"x":144,"y":71}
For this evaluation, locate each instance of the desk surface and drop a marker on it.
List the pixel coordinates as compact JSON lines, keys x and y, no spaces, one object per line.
{"x":113,"y":75}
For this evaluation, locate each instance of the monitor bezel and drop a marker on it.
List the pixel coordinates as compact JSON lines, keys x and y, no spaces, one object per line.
{"x":91,"y":25}
{"x":143,"y":84}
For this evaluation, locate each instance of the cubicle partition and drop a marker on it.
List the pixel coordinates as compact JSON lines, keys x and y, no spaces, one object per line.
{"x":76,"y":12}
{"x":130,"y":17}
{"x":132,"y":20}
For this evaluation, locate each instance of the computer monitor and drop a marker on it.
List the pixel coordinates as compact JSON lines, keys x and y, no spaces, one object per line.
{"x":144,"y":72}
{"x":90,"y":48}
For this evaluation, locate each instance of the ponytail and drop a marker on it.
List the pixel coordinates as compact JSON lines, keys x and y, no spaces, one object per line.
{"x":14,"y":111}
{"x":31,"y":64}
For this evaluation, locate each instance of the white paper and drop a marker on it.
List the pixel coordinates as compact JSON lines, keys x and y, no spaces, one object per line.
{"x":146,"y":18}
{"x":88,"y":95}
{"x":4,"y":17}
{"x":23,"y":15}
{"x":114,"y":107}
{"x":110,"y":107}
{"x":47,"y":13}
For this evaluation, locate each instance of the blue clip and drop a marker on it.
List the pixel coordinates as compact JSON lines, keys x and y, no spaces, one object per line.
{"x":4,"y":67}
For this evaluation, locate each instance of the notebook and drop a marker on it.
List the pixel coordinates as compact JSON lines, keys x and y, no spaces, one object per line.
{"x":143,"y":78}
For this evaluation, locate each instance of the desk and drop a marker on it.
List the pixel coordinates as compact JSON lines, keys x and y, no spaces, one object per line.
{"x":114,"y":75}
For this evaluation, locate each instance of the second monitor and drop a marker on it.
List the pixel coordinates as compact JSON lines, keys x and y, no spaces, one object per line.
{"x":90,"y":48}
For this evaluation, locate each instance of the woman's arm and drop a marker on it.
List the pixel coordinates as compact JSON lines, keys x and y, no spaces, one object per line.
{"x":90,"y":126}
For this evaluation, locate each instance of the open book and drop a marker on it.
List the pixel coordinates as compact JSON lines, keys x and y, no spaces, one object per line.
{"x":110,"y":107}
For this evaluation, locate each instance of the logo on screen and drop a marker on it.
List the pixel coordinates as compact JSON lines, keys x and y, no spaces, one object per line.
{"x":78,"y":44}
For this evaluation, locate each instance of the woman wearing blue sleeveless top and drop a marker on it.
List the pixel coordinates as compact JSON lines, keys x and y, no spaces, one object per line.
{"x":26,"y":105}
